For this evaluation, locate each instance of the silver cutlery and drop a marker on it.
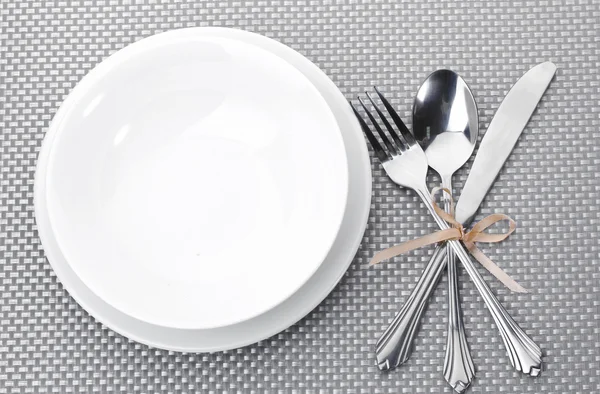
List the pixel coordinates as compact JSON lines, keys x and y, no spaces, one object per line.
{"x":406,"y":164}
{"x":446,"y":124}
{"x":393,"y":348}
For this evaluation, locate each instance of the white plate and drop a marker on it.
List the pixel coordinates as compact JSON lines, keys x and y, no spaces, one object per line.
{"x":195,"y":180}
{"x":284,"y":314}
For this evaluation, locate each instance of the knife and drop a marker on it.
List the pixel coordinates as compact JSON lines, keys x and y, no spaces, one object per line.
{"x":394,"y":346}
{"x":501,"y":136}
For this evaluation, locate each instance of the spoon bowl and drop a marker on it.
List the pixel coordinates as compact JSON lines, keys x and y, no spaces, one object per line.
{"x":445,"y":121}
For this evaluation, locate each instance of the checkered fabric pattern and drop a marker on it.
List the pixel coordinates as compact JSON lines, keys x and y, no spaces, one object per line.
{"x":49,"y":344}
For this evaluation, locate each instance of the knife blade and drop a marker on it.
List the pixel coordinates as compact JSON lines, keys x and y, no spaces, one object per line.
{"x":501,"y":136}
{"x":394,"y":346}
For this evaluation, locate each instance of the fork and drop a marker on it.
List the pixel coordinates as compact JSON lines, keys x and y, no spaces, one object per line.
{"x":405,"y":163}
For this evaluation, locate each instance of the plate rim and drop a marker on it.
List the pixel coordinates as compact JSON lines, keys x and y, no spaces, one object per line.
{"x":342,"y":111}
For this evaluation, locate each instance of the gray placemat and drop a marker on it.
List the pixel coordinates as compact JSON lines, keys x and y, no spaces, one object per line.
{"x":549,"y":185}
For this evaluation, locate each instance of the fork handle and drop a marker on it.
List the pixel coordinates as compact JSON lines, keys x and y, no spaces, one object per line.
{"x":524,"y":354}
{"x":394,"y":346}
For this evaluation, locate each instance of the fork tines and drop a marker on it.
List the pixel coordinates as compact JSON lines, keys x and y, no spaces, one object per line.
{"x":401,"y":140}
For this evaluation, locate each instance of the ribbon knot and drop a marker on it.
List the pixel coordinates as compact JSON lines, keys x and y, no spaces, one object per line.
{"x":468,"y":238}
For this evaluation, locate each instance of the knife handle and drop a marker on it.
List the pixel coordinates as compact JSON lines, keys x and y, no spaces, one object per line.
{"x":395,"y":345}
{"x":525,"y":355}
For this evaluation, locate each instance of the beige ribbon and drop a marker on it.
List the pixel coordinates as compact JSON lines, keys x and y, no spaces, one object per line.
{"x":457,"y":232}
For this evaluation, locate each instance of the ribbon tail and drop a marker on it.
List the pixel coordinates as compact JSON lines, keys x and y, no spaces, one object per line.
{"x":489,"y":265}
{"x":438,"y":236}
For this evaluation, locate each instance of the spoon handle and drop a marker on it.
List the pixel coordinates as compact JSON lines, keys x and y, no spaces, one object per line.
{"x":459,"y":370}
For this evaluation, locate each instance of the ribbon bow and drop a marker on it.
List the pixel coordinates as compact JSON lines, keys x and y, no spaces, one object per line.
{"x":469,"y":238}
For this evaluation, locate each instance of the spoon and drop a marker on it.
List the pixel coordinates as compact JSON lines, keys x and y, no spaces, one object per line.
{"x":446,"y":124}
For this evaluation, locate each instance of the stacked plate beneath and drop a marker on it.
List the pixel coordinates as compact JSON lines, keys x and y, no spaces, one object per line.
{"x":202,"y":189}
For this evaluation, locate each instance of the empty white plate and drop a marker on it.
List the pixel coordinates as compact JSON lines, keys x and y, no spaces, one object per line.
{"x":195,"y":181}
{"x":284,"y":314}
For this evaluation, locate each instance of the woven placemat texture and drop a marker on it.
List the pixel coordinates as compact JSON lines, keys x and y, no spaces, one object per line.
{"x":49,"y":344}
